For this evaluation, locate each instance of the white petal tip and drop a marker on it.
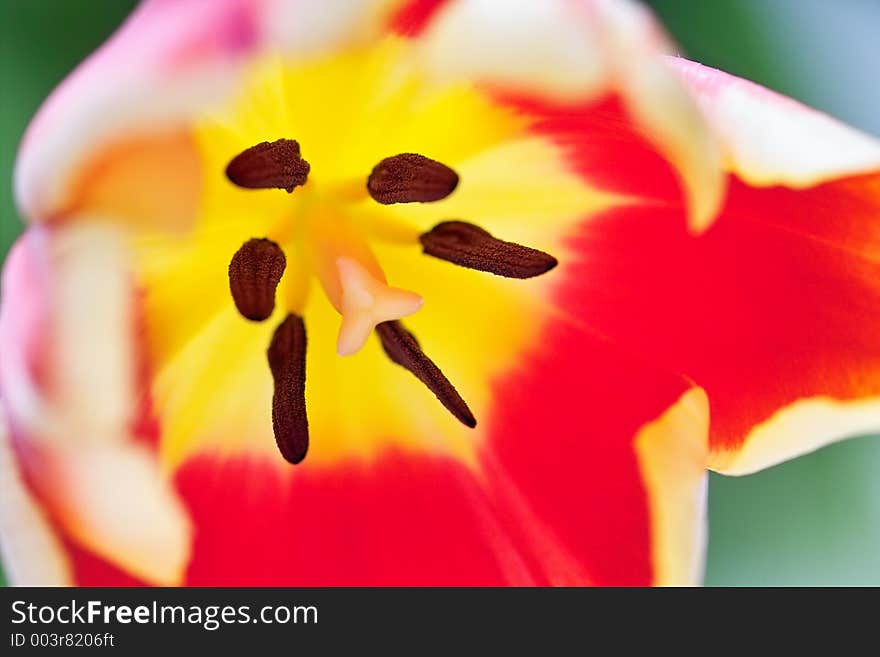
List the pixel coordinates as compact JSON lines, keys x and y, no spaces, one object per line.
{"x":115,"y":501}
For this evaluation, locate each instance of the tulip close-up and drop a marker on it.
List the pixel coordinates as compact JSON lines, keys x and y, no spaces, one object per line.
{"x":418,"y":292}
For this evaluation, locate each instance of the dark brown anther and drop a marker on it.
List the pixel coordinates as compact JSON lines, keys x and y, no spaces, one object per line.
{"x":411,"y":178}
{"x":254,"y":273}
{"x":287,"y":360}
{"x":470,"y":246}
{"x":269,"y":165}
{"x":401,"y":347}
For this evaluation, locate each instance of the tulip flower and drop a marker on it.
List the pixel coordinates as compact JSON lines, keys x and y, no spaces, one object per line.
{"x":418,"y":292}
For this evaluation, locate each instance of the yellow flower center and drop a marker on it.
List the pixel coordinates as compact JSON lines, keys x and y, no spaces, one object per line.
{"x":352,"y":262}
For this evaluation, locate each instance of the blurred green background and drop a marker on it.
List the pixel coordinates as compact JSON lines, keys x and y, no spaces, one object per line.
{"x":815,"y":520}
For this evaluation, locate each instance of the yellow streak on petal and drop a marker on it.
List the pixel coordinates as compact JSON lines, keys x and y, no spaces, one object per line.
{"x":672,"y":452}
{"x":802,"y":427}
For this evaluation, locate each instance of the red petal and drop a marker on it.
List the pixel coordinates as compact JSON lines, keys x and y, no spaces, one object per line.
{"x":415,"y":15}
{"x":403,"y":520}
{"x":562,"y":439}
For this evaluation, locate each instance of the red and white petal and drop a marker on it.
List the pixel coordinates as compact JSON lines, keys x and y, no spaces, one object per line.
{"x":571,"y":53}
{"x":600,"y":461}
{"x":114,"y":501}
{"x":121,"y":120}
{"x":165,"y":62}
{"x":824,"y":309}
{"x":400,"y":519}
{"x":774,"y":311}
{"x":768,"y":139}
{"x":33,"y":554}
{"x":67,"y":329}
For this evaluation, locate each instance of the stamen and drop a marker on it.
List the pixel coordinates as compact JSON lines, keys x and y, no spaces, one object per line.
{"x":269,"y":165}
{"x":410,"y":178}
{"x":254,"y":273}
{"x":470,"y":246}
{"x":287,"y":360}
{"x":402,"y":347}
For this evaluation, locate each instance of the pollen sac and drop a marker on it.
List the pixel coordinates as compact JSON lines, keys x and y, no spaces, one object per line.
{"x":287,"y":361}
{"x":269,"y":165}
{"x":254,"y":273}
{"x":470,"y":246}
{"x":402,"y":348}
{"x":411,"y":178}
